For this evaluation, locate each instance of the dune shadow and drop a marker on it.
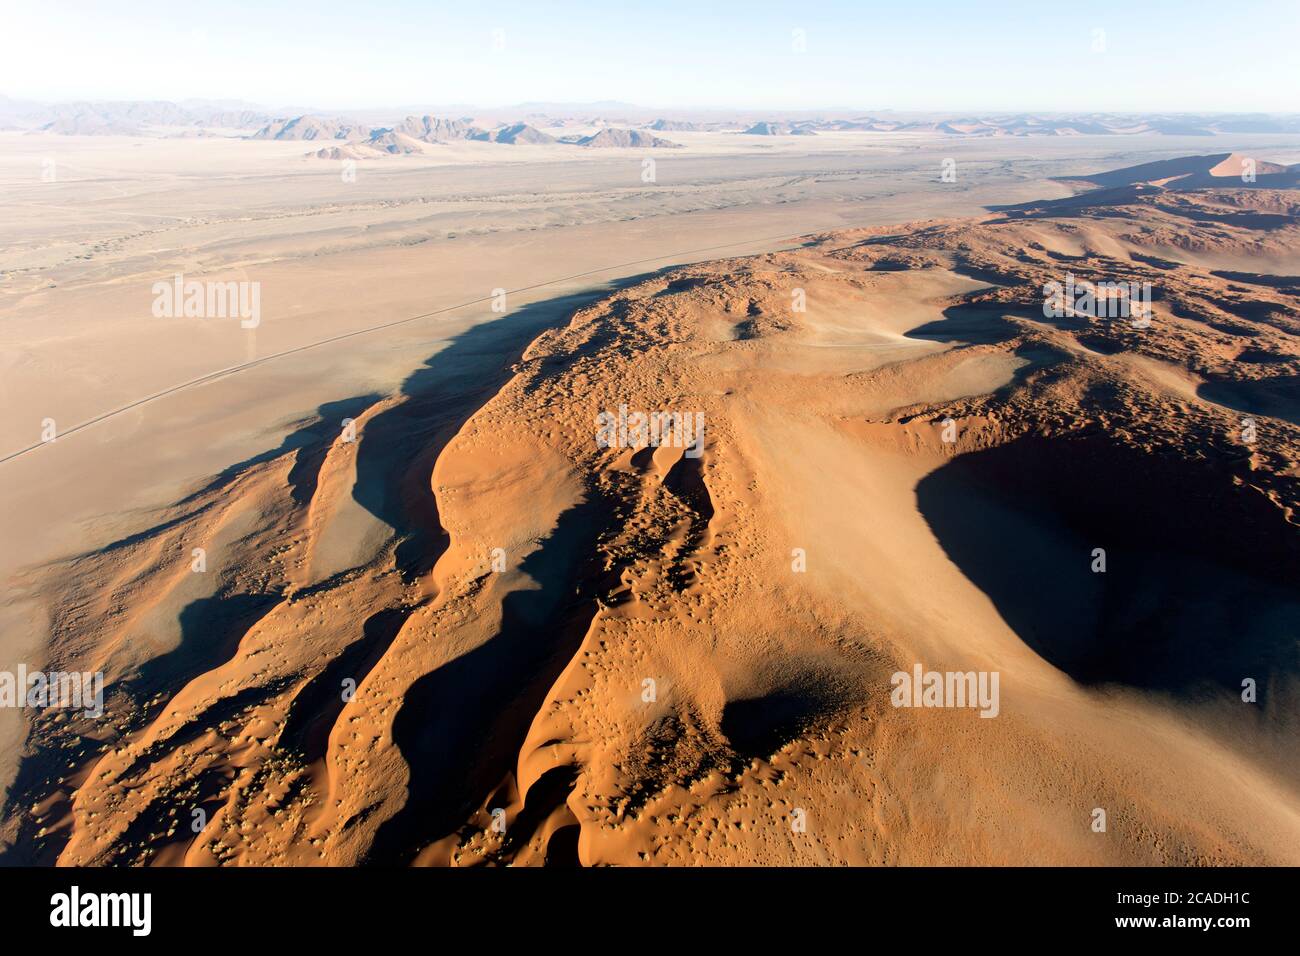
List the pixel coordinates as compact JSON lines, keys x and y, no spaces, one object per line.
{"x":460,"y":727}
{"x":211,"y":629}
{"x":970,"y":324}
{"x":318,"y":705}
{"x":1287,"y":284}
{"x":1240,"y":220}
{"x":398,"y":447}
{"x":1277,"y":397}
{"x":310,"y":442}
{"x":1198,"y":587}
{"x":760,"y":726}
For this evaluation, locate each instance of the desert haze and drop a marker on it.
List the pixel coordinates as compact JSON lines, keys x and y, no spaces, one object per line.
{"x":595,"y":485}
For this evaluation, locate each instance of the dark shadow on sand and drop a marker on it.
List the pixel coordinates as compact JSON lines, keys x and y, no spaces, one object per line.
{"x":398,"y":447}
{"x":1277,"y":397}
{"x":1199,"y":587}
{"x":460,"y":728}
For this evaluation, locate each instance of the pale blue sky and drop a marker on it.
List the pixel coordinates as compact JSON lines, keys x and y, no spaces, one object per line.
{"x":1178,"y":55}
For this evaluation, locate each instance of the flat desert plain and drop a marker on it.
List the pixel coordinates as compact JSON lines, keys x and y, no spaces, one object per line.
{"x":364,"y":586}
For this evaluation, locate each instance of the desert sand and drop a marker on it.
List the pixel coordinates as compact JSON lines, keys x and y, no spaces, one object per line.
{"x":439,"y":624}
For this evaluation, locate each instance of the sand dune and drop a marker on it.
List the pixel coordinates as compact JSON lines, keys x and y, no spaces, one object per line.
{"x":162,"y":118}
{"x":1233,"y":170}
{"x":473,"y":635}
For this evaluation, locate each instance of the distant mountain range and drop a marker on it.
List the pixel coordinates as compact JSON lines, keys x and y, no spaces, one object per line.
{"x":616,"y":124}
{"x":126,"y":118}
{"x":414,"y":133}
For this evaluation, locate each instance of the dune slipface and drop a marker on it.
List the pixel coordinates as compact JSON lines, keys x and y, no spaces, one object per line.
{"x":891,"y":451}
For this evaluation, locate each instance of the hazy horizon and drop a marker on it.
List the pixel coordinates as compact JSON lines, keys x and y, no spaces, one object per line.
{"x":449,"y":109}
{"x":1159,"y":58}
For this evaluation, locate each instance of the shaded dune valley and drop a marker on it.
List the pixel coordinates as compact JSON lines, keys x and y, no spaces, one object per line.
{"x":1178,"y":599}
{"x":467,"y":631}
